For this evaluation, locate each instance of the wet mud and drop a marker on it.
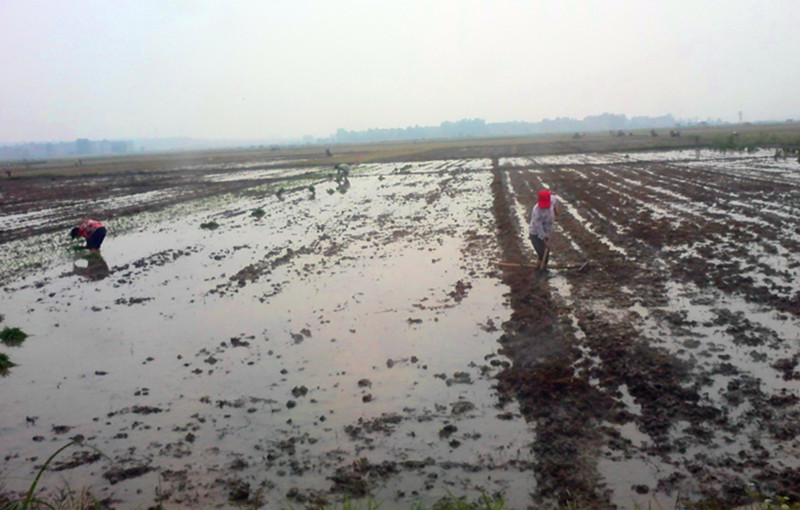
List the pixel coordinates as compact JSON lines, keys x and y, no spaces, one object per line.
{"x":358,"y":341}
{"x":674,"y":352}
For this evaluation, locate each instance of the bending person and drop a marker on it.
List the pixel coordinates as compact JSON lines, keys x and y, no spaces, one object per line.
{"x":93,"y":231}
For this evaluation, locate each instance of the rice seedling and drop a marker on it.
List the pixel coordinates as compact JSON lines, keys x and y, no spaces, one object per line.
{"x":13,"y":337}
{"x":5,"y":364}
{"x":258,"y":213}
{"x":92,"y":256}
{"x":209,"y":225}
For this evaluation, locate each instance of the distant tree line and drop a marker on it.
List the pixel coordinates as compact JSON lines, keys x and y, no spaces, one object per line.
{"x":479,"y":128}
{"x":80,"y":147}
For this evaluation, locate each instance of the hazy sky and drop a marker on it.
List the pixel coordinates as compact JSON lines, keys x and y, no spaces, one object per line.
{"x":287,"y":68}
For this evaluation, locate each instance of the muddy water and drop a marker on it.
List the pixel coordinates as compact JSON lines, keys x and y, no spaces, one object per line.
{"x":267,"y":354}
{"x":348,"y":339}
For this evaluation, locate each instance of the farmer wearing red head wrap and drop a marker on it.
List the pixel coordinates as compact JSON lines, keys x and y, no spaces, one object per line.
{"x":93,"y":231}
{"x":543,"y":217}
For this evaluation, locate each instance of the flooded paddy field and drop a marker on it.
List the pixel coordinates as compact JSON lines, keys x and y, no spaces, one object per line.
{"x":354,"y":337}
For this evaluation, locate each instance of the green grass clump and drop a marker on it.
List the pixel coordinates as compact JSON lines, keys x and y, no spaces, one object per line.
{"x":484,"y":503}
{"x":450,"y":502}
{"x":5,"y":364}
{"x":12,"y":336}
{"x":210,"y":225}
{"x":85,"y":500}
{"x":780,"y":503}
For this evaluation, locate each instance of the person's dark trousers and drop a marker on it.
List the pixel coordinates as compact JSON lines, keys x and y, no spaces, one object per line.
{"x":96,"y":239}
{"x":539,"y":245}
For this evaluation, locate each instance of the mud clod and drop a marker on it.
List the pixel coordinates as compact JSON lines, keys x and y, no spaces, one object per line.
{"x":119,"y":474}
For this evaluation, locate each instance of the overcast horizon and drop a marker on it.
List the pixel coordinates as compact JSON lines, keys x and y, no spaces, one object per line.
{"x":288,"y":69}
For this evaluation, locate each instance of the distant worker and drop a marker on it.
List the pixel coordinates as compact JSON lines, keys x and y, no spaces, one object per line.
{"x":93,"y":231}
{"x":342,"y":171}
{"x":542,"y":226}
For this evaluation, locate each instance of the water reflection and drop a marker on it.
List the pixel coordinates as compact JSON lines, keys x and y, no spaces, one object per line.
{"x":92,"y":267}
{"x":343,"y":186}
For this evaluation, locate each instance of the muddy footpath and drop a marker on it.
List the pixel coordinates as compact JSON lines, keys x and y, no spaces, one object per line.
{"x":273,"y":335}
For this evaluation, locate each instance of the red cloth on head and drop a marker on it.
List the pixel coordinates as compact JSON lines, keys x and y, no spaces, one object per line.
{"x":544,"y":198}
